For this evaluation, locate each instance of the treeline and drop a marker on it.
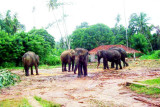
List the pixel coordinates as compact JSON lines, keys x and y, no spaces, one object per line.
{"x":14,"y":42}
{"x":138,"y":36}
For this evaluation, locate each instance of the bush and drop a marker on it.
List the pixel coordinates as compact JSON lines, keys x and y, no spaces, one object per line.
{"x":152,"y":55}
{"x":7,"y":78}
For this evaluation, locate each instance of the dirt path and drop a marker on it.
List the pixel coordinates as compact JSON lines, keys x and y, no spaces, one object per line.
{"x":100,"y":88}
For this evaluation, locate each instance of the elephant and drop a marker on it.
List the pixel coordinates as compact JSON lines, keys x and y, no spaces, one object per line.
{"x":109,"y":55}
{"x":81,"y":60}
{"x":123,"y":55}
{"x":68,"y":57}
{"x":30,"y":59}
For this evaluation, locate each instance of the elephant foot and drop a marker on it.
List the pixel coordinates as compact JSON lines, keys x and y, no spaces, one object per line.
{"x":32,"y":74}
{"x":116,"y":69}
{"x":27,"y":75}
{"x":120,"y":67}
{"x":85,"y":75}
{"x":79,"y":76}
{"x":37,"y":74}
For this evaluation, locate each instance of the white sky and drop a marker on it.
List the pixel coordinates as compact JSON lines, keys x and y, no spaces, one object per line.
{"x":91,"y":11}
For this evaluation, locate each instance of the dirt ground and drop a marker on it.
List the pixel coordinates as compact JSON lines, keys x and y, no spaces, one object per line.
{"x":101,"y":88}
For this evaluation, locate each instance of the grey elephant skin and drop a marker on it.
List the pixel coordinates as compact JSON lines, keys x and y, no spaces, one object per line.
{"x":109,"y":55}
{"x":81,"y":60}
{"x":30,"y":59}
{"x":68,"y":57}
{"x":123,"y":55}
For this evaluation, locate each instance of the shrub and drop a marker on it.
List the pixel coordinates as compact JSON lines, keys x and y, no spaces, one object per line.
{"x":7,"y":78}
{"x":152,"y":55}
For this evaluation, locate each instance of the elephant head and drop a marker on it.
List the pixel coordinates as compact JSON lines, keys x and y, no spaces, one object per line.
{"x":100,"y":55}
{"x":81,"y":60}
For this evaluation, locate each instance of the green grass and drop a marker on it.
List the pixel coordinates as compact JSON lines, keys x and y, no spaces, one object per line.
{"x":15,"y":103}
{"x":46,"y":103}
{"x":40,"y":67}
{"x":153,"y":55}
{"x":147,"y":90}
{"x":144,"y":90}
{"x":153,"y":82}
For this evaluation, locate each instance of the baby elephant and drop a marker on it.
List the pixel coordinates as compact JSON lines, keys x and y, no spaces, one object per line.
{"x":30,"y":59}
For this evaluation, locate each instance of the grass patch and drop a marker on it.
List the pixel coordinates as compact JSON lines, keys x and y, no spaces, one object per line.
{"x":15,"y":103}
{"x":147,"y":90}
{"x":152,"y":82}
{"x":46,"y":103}
{"x":49,"y":66}
{"x":144,"y":90}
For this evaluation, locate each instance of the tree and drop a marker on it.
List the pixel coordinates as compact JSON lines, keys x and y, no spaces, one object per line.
{"x":139,"y":42}
{"x":83,"y":25}
{"x":47,"y":37}
{"x":91,"y":37}
{"x":11,"y":25}
{"x":139,"y":24}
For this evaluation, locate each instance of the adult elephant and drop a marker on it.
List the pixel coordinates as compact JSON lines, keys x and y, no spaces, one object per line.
{"x":30,"y":59}
{"x":109,"y":55}
{"x":68,"y":57}
{"x":81,"y":60}
{"x":123,"y":55}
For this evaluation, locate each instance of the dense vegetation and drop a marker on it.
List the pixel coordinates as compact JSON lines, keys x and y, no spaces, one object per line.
{"x":139,"y":34}
{"x":14,"y":42}
{"x":152,"y":55}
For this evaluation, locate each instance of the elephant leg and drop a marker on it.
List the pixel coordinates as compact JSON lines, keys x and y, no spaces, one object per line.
{"x":62,"y":66}
{"x":69,"y":67}
{"x":36,"y":67}
{"x":112,"y":64}
{"x":72,"y":65}
{"x":85,"y":69}
{"x":79,"y":70}
{"x":107,"y":64}
{"x":65,"y":66}
{"x":126,"y":63}
{"x":26,"y":71}
{"x":104,"y":63}
{"x":116,"y":65}
{"x":32,"y":70}
{"x":119,"y":62}
{"x":75,"y":69}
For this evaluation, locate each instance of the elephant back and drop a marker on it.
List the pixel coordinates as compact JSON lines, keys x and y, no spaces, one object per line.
{"x":68,"y":55}
{"x":30,"y":58}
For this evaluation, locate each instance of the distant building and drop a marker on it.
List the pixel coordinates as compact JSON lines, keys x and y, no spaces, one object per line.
{"x":106,"y":47}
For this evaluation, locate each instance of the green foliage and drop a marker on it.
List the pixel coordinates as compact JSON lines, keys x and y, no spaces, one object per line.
{"x":47,"y":37}
{"x":46,"y":103}
{"x":139,"y":42}
{"x":7,"y":78}
{"x":10,"y":24}
{"x":15,"y":103}
{"x":153,"y":55}
{"x":142,"y":89}
{"x":92,"y":36}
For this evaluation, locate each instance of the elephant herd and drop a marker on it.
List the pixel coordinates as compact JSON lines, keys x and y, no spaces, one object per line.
{"x":78,"y":59}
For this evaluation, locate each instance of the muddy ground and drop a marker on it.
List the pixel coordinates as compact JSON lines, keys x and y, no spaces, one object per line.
{"x":100,"y":88}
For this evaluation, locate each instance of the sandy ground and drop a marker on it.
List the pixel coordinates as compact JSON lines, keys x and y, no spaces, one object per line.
{"x":101,"y":88}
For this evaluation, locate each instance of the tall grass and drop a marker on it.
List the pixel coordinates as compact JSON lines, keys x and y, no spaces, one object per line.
{"x":7,"y":78}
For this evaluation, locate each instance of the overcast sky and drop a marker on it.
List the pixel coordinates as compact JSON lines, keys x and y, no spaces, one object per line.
{"x":91,"y":11}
